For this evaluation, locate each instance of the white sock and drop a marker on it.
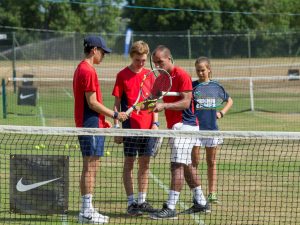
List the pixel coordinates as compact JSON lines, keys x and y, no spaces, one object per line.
{"x":198,"y":195}
{"x":86,"y":202}
{"x":130,"y":199}
{"x":142,"y":198}
{"x":173,"y":198}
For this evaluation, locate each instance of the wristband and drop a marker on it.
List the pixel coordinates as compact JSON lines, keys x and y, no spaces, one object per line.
{"x":222,"y":114}
{"x":116,"y":114}
{"x":156,"y":123}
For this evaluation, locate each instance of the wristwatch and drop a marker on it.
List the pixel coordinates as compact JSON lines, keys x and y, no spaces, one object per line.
{"x":222,"y":114}
{"x":156,"y":123}
{"x":116,"y":114}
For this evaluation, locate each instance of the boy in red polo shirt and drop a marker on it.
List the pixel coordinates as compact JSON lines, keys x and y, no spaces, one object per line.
{"x":89,"y":111}
{"x":126,"y":91}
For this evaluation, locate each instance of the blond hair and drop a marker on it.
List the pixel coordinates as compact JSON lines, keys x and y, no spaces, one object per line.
{"x":140,"y":48}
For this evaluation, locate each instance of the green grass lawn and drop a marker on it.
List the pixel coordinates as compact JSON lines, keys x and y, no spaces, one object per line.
{"x":253,"y":176}
{"x":257,"y":183}
{"x":274,"y":109}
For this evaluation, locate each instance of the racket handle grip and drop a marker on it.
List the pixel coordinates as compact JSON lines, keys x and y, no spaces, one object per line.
{"x":171,"y":93}
{"x":129,"y":111}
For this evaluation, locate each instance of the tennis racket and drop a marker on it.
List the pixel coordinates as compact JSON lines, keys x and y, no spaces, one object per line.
{"x":152,"y":65}
{"x":154,"y":86}
{"x":207,"y":95}
{"x":157,"y":145}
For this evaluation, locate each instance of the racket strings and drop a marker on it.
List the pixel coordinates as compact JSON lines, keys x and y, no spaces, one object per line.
{"x":154,"y":87}
{"x":209,"y":96}
{"x":147,"y":86}
{"x":162,"y":84}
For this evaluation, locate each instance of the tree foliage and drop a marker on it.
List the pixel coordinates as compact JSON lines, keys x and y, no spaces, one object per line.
{"x":167,"y":15}
{"x":88,"y":16}
{"x":255,"y":18}
{"x":213,"y":16}
{"x":173,"y":20}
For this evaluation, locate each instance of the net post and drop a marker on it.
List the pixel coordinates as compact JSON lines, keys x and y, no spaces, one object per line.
{"x":4,"y":98}
{"x":14,"y":62}
{"x":189,"y":43}
{"x":74,"y":46}
{"x":251,"y":94}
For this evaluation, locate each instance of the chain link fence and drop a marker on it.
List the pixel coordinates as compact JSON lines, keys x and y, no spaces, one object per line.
{"x":235,"y":59}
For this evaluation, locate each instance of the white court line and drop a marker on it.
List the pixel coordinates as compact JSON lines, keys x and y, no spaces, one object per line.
{"x":181,"y":204}
{"x":41,"y":112}
{"x":258,"y":78}
{"x":68,"y":93}
{"x":42,"y":116}
{"x":109,"y":68}
{"x":64,"y":219}
{"x":230,"y":67}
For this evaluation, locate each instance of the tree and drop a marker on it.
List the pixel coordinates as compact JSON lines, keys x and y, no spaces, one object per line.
{"x":172,"y":20}
{"x":9,"y":13}
{"x":251,"y":20}
{"x":181,"y":18}
{"x":83,"y":16}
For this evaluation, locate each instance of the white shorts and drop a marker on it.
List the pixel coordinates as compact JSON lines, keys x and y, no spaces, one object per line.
{"x":181,"y":148}
{"x":209,"y":142}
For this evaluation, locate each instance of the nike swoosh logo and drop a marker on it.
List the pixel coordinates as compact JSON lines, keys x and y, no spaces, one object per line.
{"x":23,"y":187}
{"x":87,"y":217}
{"x":25,"y":96}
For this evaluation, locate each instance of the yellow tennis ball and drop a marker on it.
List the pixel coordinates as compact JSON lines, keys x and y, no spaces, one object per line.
{"x":151,"y":105}
{"x":42,"y":146}
{"x":107,"y":153}
{"x":66,"y":146}
{"x":37,"y":147}
{"x":76,"y":146}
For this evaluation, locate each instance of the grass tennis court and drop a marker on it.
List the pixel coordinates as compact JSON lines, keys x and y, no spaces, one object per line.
{"x":57,"y":110}
{"x":253,"y":47}
{"x":274,"y":100}
{"x":258,"y":182}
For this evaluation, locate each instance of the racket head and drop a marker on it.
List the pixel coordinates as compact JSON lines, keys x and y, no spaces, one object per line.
{"x":154,"y":68}
{"x":209,"y":95}
{"x":144,"y":92}
{"x":146,"y":86}
{"x":155,"y":84}
{"x":152,"y":65}
{"x":161,"y":85}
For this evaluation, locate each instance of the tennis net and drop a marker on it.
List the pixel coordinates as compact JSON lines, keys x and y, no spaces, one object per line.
{"x":40,"y":168}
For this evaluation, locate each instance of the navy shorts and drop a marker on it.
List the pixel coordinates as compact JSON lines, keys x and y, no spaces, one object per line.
{"x":91,"y":145}
{"x":141,"y":146}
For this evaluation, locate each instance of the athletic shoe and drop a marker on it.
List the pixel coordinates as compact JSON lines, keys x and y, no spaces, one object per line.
{"x":164,"y":213}
{"x":197,"y":208}
{"x":146,"y":207}
{"x":91,"y":216}
{"x":213,"y":198}
{"x":134,"y":210}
